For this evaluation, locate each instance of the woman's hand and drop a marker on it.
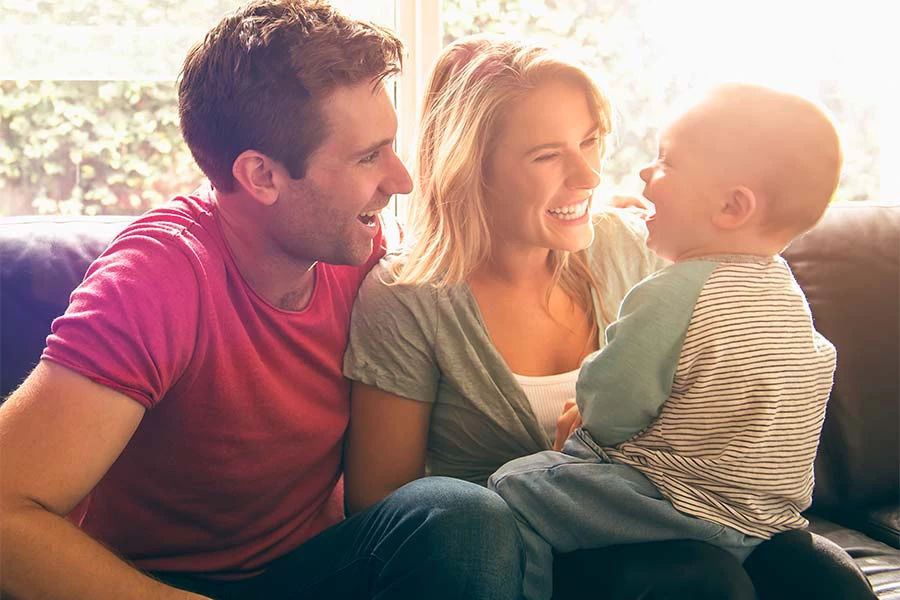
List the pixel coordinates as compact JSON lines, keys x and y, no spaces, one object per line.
{"x":568,"y":422}
{"x":638,"y":205}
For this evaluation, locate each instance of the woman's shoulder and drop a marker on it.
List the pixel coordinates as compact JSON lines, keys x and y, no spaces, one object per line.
{"x":380,"y":289}
{"x":619,"y":225}
{"x":619,"y":255}
{"x":619,"y":235}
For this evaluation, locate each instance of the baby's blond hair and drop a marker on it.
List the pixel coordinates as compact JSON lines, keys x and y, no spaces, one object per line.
{"x":785,"y":146}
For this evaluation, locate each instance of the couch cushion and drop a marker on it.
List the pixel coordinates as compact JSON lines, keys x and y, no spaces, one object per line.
{"x":879,"y":562}
{"x":881,"y":523}
{"x":849,"y":267}
{"x":805,"y":564}
{"x":41,"y":261}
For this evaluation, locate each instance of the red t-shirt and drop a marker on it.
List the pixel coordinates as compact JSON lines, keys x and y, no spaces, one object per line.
{"x":238,"y":457}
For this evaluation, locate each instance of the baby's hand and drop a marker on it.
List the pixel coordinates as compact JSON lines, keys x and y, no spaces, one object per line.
{"x":566,"y":424}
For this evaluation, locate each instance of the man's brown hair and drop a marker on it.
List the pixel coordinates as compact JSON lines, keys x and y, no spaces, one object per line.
{"x":258,"y":78}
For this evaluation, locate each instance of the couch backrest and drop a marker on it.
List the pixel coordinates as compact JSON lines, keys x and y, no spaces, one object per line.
{"x":849,"y":267}
{"x":42,"y":259}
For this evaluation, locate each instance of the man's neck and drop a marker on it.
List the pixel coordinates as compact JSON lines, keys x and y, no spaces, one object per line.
{"x":279,"y":279}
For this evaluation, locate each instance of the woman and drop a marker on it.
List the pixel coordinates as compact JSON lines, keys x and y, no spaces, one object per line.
{"x":465,"y":346}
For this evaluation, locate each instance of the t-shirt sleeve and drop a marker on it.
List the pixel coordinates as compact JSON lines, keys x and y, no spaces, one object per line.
{"x":131,"y":325}
{"x":622,"y":387}
{"x":391,"y":338}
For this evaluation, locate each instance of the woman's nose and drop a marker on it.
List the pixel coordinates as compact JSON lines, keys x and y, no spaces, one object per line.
{"x":585,"y":175}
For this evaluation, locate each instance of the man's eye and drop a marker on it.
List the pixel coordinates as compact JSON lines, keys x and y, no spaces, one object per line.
{"x":370,"y":158}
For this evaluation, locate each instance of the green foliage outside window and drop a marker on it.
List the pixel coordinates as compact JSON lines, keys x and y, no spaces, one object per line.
{"x":96,"y":147}
{"x":89,"y":147}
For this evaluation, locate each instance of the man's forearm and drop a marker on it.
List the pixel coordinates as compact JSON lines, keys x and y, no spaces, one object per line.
{"x":44,"y":556}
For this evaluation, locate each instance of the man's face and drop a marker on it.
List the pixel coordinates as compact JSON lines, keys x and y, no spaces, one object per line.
{"x":329,"y":215}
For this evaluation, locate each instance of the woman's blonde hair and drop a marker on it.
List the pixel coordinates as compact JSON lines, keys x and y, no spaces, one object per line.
{"x":474,"y":82}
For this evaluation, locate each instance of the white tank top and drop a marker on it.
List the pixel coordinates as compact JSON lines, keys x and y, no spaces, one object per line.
{"x":547,"y":396}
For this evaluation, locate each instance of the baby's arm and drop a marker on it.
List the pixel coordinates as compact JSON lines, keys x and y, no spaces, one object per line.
{"x":622,"y":387}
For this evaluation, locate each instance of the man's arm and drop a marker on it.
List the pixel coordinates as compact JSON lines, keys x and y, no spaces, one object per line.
{"x":59,"y":434}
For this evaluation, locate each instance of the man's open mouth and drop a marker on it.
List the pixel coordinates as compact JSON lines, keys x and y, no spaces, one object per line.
{"x":368,"y":218}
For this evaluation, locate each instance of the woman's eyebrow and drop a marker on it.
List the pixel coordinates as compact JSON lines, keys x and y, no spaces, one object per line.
{"x":595,"y":127}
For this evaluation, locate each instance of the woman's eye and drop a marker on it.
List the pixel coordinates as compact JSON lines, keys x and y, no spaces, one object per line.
{"x":546,"y":157}
{"x":590,"y":142}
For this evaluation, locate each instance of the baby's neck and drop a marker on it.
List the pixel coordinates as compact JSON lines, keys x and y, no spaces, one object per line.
{"x":730,"y":246}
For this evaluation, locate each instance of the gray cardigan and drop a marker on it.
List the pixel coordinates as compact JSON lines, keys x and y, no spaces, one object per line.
{"x":431,"y":345}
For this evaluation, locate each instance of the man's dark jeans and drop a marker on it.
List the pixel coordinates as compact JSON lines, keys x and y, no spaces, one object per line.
{"x":434,"y":538}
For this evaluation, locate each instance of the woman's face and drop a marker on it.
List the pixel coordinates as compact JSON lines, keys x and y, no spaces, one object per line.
{"x":543,"y":170}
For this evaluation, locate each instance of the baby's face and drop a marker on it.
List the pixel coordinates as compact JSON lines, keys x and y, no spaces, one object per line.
{"x":682,"y":184}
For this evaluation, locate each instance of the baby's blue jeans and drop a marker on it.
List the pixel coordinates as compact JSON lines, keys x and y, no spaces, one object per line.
{"x":578,"y":499}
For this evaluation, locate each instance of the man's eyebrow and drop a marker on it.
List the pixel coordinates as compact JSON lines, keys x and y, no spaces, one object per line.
{"x":373,"y":147}
{"x":595,"y":127}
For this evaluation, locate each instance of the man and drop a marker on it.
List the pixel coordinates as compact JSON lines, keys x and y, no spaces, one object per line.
{"x":181,"y":436}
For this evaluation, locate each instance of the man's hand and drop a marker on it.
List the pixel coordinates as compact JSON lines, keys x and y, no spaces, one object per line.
{"x":568,"y":422}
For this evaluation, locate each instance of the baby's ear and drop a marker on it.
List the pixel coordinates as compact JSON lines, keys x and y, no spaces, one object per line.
{"x":738,"y":205}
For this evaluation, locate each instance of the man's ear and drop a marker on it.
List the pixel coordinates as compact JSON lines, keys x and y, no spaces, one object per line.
{"x":738,"y":206}
{"x":255,"y":172}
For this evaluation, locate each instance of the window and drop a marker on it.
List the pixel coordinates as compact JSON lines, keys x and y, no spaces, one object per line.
{"x":88,"y":113}
{"x":88,"y":120}
{"x":648,"y":53}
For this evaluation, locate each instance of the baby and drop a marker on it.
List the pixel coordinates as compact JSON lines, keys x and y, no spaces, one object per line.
{"x":702,"y":413}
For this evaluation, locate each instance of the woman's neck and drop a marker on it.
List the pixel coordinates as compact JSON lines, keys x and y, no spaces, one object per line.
{"x":527,"y":269}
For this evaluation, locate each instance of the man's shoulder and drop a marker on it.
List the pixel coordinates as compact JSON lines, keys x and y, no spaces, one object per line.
{"x":185,"y":224}
{"x":179,"y":215}
{"x":166,"y":248}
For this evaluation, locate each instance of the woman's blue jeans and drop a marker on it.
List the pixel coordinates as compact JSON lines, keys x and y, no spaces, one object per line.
{"x":435,"y":538}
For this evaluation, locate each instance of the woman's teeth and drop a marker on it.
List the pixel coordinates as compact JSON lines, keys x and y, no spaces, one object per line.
{"x":571,"y":212}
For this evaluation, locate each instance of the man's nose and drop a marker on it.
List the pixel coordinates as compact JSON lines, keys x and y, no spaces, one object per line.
{"x":398,"y":180}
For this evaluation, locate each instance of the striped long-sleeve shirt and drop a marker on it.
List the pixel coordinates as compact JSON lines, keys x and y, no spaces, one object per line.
{"x":713,"y":384}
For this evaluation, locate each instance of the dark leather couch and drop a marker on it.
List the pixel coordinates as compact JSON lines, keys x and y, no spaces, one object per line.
{"x":849,"y":267}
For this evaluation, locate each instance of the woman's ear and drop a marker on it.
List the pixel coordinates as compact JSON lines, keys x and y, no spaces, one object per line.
{"x":739,"y":205}
{"x":255,"y":172}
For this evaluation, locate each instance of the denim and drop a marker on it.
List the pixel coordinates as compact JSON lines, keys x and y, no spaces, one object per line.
{"x":437,"y":538}
{"x":577,"y":499}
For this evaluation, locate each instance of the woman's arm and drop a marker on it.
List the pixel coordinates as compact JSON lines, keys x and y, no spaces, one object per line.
{"x":385,"y":445}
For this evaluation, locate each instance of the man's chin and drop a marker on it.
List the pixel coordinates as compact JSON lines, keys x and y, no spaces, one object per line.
{"x":355,"y":256}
